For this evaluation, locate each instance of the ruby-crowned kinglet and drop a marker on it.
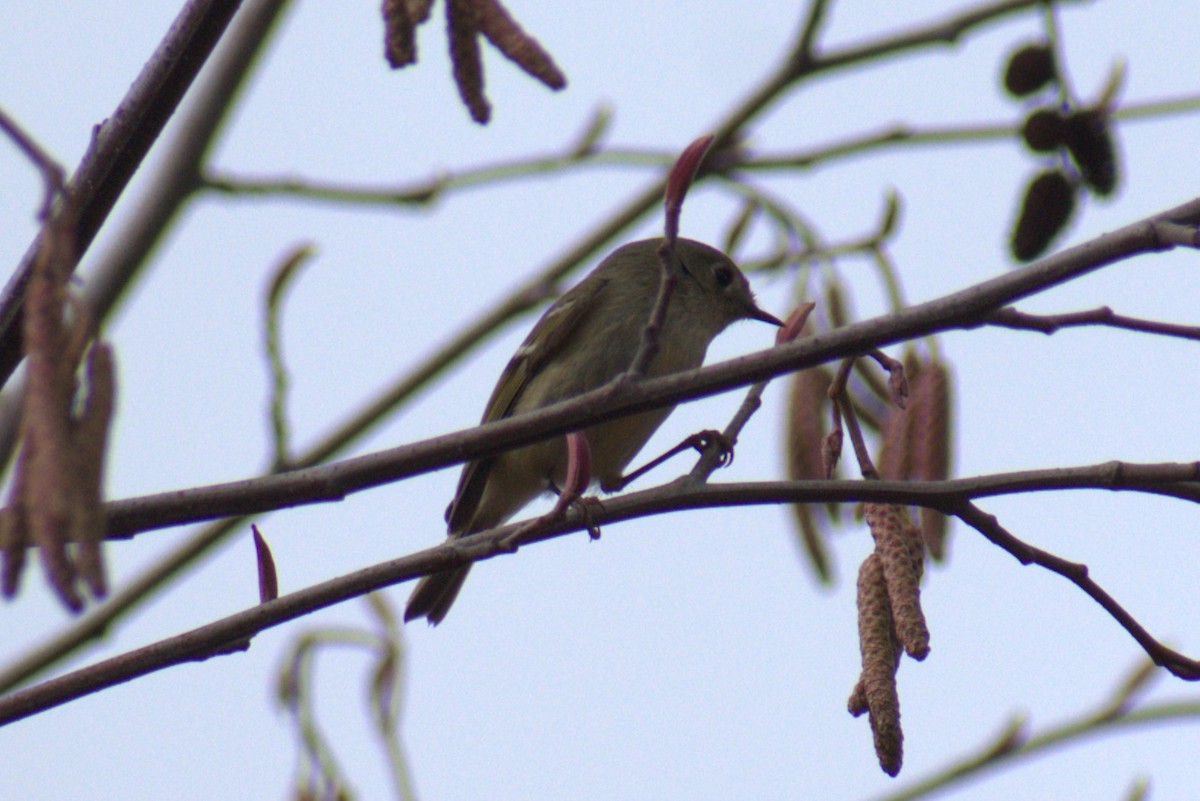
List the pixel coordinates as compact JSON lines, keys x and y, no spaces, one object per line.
{"x":585,"y":340}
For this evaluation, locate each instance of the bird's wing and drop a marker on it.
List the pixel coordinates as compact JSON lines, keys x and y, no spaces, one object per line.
{"x":543,"y":342}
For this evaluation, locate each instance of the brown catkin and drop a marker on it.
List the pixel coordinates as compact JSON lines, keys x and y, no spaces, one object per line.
{"x":400,"y":34}
{"x":1089,"y":138}
{"x":462,"y":22}
{"x":90,"y":439}
{"x":879,"y":651}
{"x":894,"y":460}
{"x":899,"y":545}
{"x":48,"y":477}
{"x":14,"y":529}
{"x":911,"y":628}
{"x":804,"y":443}
{"x":931,"y":445}
{"x":857,"y":704}
{"x":522,"y":49}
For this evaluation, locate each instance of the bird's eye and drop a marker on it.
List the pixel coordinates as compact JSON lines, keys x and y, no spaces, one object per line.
{"x":723,"y":276}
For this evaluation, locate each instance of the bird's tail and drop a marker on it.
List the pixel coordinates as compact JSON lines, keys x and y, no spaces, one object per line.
{"x":435,"y":594}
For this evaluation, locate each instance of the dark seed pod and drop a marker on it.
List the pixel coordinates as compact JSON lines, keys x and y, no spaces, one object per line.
{"x":1029,"y":69}
{"x":1088,"y":138}
{"x":1049,"y":203}
{"x":1044,"y":130}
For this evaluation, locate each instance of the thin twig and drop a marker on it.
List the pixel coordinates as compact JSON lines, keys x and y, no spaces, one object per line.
{"x":714,"y":455}
{"x":51,"y":171}
{"x":281,"y":278}
{"x":805,"y":49}
{"x":1009,"y":317}
{"x":583,"y":153}
{"x":845,"y":411}
{"x":987,"y":525}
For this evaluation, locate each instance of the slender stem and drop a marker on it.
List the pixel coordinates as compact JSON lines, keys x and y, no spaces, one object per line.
{"x":51,"y":170}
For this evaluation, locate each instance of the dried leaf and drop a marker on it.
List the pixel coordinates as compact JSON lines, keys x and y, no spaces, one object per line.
{"x":268,"y":581}
{"x":805,"y":443}
{"x":931,"y":445}
{"x":1029,"y":69}
{"x":90,"y":445}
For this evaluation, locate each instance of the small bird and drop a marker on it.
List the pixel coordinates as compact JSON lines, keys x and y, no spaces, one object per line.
{"x":587,"y":338}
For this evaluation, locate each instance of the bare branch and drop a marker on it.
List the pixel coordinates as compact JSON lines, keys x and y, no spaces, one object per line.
{"x":1009,"y":317}
{"x":120,"y":143}
{"x":216,"y":638}
{"x":962,"y":309}
{"x":987,"y":525}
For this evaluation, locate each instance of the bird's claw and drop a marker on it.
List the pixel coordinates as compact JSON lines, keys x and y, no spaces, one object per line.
{"x":710,"y":438}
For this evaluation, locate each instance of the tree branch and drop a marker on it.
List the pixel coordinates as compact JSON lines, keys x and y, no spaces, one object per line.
{"x":987,"y":525}
{"x":1009,"y":317}
{"x":967,"y":308}
{"x":120,"y":143}
{"x":233,"y":632}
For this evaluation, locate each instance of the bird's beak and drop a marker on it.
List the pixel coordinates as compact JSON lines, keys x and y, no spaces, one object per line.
{"x":755,"y":313}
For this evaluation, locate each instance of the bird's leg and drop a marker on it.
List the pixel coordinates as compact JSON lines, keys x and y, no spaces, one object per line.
{"x":701,"y":441}
{"x":579,"y":475}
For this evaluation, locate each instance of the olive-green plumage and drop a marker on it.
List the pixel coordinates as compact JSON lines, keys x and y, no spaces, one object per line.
{"x":586,"y":339}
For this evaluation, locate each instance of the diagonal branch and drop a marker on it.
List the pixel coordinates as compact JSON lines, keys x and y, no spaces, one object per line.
{"x":120,"y":143}
{"x":1077,"y":573}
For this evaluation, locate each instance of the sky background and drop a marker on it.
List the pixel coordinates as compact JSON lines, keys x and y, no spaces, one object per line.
{"x":687,"y":656}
